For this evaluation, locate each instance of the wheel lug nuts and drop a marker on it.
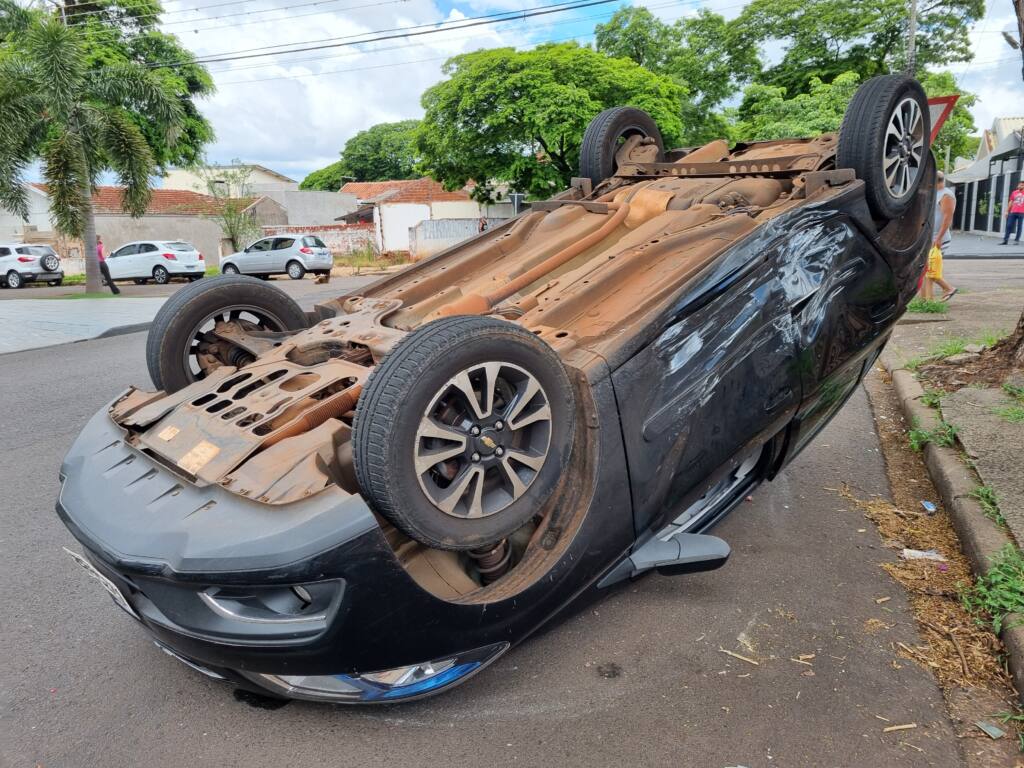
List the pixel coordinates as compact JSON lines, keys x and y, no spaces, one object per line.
{"x":475,"y":457}
{"x":474,"y":430}
{"x":499,"y":451}
{"x":498,"y":425}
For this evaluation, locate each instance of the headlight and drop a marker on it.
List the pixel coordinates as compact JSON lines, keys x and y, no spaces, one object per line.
{"x":388,"y":685}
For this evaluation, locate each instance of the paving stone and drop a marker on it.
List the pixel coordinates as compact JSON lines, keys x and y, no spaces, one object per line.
{"x":34,"y":323}
{"x":963,"y":357}
{"x":994,"y":444}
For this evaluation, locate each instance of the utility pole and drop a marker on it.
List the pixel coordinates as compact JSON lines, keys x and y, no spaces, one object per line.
{"x":912,"y":39}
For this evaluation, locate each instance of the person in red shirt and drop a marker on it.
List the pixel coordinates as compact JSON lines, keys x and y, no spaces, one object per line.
{"x":1015,"y":217}
{"x":104,"y":269}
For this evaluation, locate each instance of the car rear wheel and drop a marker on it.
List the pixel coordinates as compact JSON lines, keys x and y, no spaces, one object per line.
{"x":605,"y":135}
{"x":463,"y":431}
{"x":229,"y":269}
{"x":14,"y":280}
{"x":296,"y":271}
{"x":178,"y":349}
{"x":884,"y":138}
{"x":140,"y":280}
{"x":160,"y":275}
{"x":55,"y":283}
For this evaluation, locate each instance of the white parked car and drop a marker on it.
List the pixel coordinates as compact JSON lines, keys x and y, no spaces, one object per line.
{"x":22,"y":263}
{"x":156,"y":260}
{"x":292,"y":255}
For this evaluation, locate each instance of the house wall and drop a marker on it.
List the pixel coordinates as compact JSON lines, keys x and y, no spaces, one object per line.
{"x":202,"y":233}
{"x":311,"y":208}
{"x":12,"y":227}
{"x":340,"y":238}
{"x":451,"y":209}
{"x":435,"y":235}
{"x":268,"y":211}
{"x":259,"y":183}
{"x":394,"y":221}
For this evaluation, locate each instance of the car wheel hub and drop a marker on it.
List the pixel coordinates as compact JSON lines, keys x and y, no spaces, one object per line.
{"x":904,"y":147}
{"x":482,"y":440}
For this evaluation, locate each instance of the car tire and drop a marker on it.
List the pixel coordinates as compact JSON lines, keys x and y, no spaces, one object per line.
{"x":50,"y":262}
{"x":140,"y":280}
{"x":183,"y":316}
{"x":55,"y":283}
{"x":891,"y":163}
{"x":229,"y":269}
{"x":161,"y":276}
{"x":605,"y":134}
{"x":414,"y":383}
{"x":14,"y":280}
{"x":295,"y":270}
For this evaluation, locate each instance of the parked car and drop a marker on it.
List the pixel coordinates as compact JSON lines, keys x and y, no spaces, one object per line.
{"x":156,"y":260}
{"x":292,"y":255}
{"x":22,"y":263}
{"x":373,"y":502}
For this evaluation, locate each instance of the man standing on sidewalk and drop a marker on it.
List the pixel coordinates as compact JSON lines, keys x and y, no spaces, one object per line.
{"x":104,"y":269}
{"x":945,"y":204}
{"x":1015,"y":218}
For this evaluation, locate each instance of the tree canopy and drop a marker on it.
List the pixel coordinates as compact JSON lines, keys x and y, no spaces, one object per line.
{"x":328,"y":179}
{"x":381,"y":152}
{"x":770,"y":115}
{"x":519,"y":116}
{"x":825,"y":38}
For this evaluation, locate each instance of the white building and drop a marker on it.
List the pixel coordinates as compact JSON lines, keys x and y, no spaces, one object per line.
{"x":983,"y":185}
{"x":261,"y":180}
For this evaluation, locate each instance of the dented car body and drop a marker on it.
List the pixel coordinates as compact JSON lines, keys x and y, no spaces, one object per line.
{"x":712,"y":309}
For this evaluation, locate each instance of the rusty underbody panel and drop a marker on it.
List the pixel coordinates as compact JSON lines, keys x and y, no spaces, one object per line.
{"x":582,"y":271}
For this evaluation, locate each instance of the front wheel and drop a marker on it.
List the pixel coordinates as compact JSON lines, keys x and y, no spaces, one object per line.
{"x":463,"y":432}
{"x":229,"y":269}
{"x":885,"y":138}
{"x":14,"y":280}
{"x":179,"y":346}
{"x":296,"y":271}
{"x":160,"y":275}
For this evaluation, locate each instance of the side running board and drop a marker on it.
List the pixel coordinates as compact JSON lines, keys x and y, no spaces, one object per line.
{"x":682,"y":553}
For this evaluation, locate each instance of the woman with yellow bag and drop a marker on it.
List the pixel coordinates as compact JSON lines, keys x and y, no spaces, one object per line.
{"x":945,"y":204}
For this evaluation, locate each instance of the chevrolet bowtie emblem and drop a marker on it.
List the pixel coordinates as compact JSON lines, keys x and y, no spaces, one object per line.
{"x":488,"y":442}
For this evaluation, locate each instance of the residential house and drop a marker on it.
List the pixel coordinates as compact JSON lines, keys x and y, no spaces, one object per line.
{"x":261,"y":180}
{"x":398,"y":207}
{"x":172,"y":214}
{"x":983,"y":185}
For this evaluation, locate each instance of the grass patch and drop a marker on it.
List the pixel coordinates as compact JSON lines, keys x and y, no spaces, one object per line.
{"x":950,"y":347}
{"x":1006,"y":718}
{"x":932,"y":398}
{"x":1013,"y":414}
{"x":924,"y":306}
{"x":999,"y":592}
{"x":1015,"y":391}
{"x":986,"y":497}
{"x":944,"y":435}
{"x":93,"y":295}
{"x":74,"y":279}
{"x":211,"y":272}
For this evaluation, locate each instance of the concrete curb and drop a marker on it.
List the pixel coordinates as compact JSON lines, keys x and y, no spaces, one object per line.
{"x":121,"y":330}
{"x":980,"y":538}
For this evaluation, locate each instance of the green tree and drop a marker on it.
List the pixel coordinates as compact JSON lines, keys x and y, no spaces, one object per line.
{"x":329,"y":179}
{"x":955,"y":134}
{"x":519,"y":116}
{"x":769,"y":114}
{"x":78,"y":121}
{"x":709,"y":56}
{"x":824,"y":38}
{"x":382,"y":152}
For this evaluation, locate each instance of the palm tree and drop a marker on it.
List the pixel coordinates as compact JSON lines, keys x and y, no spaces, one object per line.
{"x":77,"y":122}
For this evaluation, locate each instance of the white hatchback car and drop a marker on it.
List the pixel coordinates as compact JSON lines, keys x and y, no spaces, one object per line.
{"x":22,"y":263}
{"x":156,"y":260}
{"x":292,"y":255}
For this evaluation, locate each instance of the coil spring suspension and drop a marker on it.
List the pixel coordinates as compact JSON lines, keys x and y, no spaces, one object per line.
{"x":492,"y":562}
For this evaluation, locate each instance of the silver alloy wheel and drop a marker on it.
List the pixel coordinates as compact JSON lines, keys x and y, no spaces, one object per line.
{"x":13,"y":280}
{"x":229,"y":269}
{"x":160,"y":276}
{"x":903,"y":151}
{"x":294,"y":270}
{"x":200,"y":338}
{"x":482,"y":440}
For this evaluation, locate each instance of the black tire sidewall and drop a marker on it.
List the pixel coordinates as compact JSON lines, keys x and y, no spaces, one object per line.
{"x":600,"y":140}
{"x":230,"y":269}
{"x":862,"y":139}
{"x":418,"y":517}
{"x":173,"y":325}
{"x":301,"y":271}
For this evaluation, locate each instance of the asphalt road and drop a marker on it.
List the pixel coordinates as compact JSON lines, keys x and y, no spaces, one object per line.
{"x":637,"y":679}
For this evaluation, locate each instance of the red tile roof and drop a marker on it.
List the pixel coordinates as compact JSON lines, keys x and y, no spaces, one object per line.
{"x":107,"y":200}
{"x":424,"y":191}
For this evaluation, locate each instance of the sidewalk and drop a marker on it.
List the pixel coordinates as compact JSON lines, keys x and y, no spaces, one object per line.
{"x":970,"y":246}
{"x":35,"y":323}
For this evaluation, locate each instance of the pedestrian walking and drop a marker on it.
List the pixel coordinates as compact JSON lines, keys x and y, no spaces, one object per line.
{"x":945,"y":205}
{"x":481,"y":226}
{"x":1015,"y":216}
{"x":104,"y":269}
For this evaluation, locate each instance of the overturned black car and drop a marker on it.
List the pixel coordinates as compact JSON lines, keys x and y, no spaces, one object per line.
{"x":372,"y":502}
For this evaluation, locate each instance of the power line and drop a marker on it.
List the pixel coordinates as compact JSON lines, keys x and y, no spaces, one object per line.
{"x":401,"y":32}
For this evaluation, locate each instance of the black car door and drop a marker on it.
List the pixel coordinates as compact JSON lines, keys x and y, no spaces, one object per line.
{"x":719,"y":377}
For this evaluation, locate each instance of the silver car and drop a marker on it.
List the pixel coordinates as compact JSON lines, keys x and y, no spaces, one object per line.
{"x":22,"y":263}
{"x":292,"y":255}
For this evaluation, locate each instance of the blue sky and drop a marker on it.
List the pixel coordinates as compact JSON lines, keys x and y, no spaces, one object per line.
{"x":294,"y":113}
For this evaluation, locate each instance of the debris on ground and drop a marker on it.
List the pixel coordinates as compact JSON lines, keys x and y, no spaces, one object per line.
{"x":992,"y":731}
{"x":917,"y":554}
